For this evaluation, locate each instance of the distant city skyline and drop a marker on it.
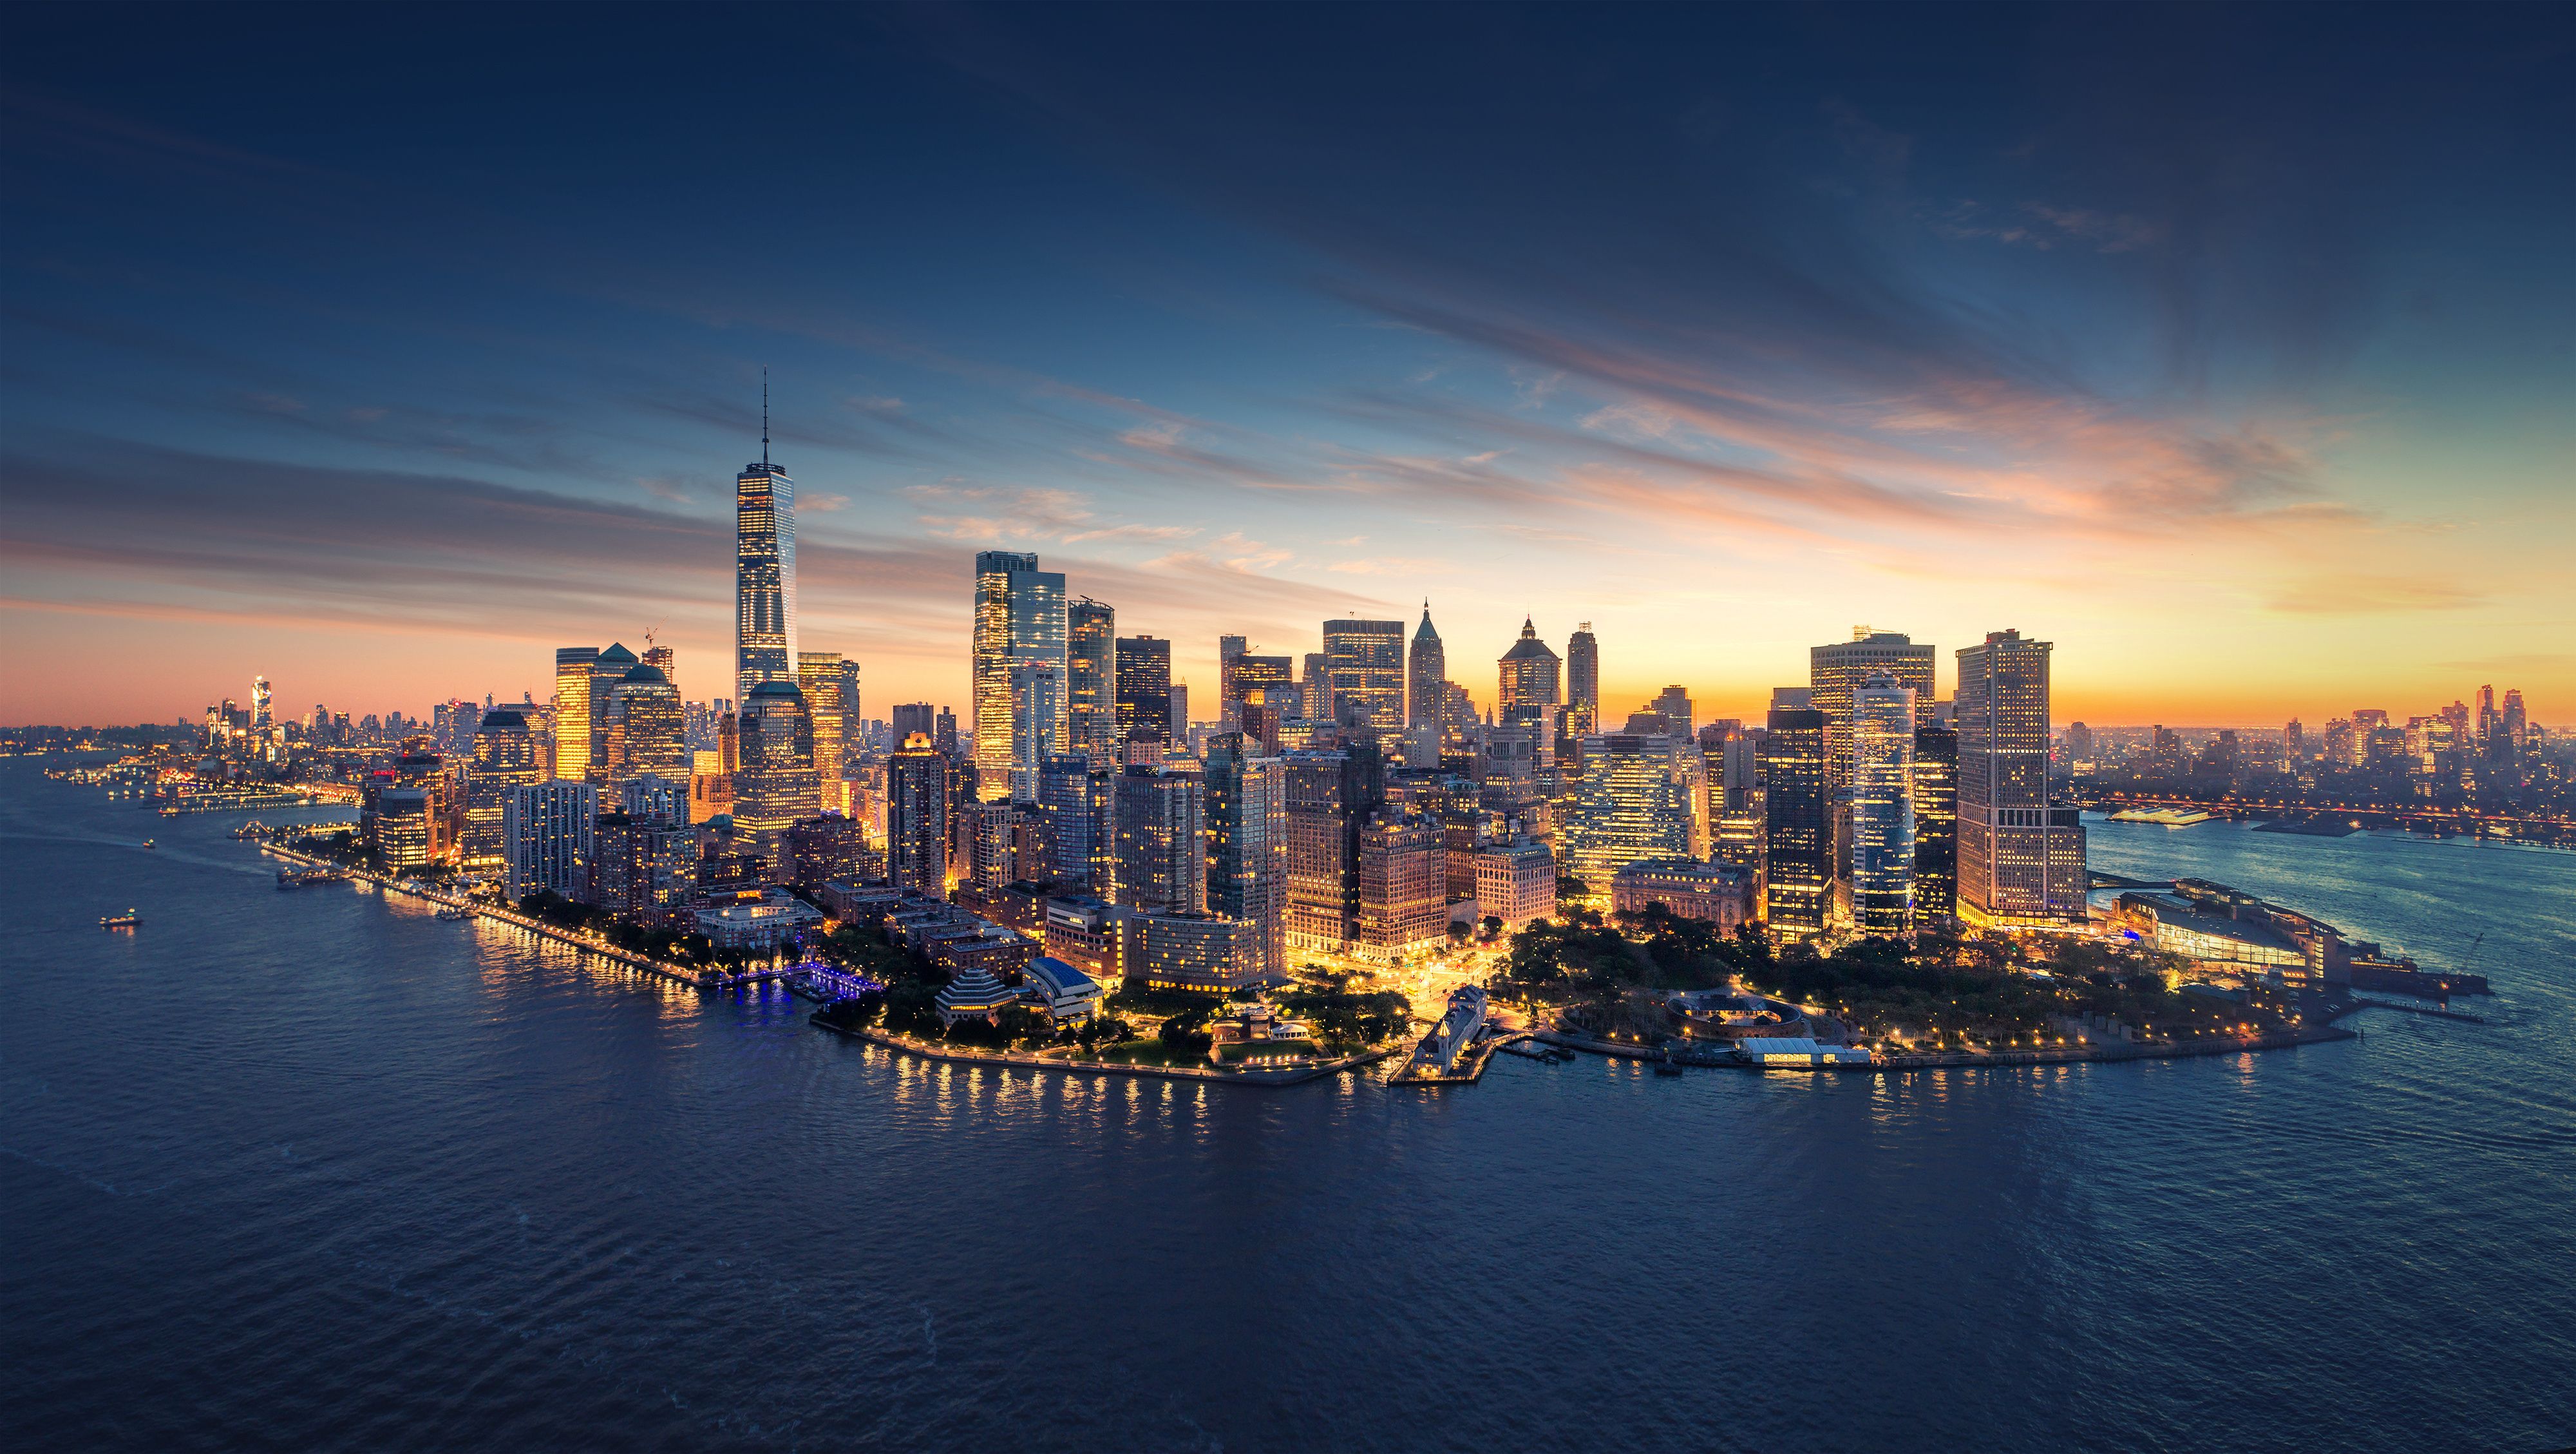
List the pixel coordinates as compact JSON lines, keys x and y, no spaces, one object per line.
{"x":1837,"y":324}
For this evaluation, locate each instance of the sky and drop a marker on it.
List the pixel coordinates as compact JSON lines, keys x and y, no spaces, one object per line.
{"x":382,"y":350}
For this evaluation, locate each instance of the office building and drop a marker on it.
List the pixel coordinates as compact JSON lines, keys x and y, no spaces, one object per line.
{"x":775,"y":785}
{"x":764,"y":579}
{"x":1936,"y":824}
{"x":647,"y":729}
{"x":1881,"y":868}
{"x":1315,"y":686}
{"x":1091,"y":680}
{"x":1837,"y":670}
{"x":1797,"y":850}
{"x":2021,"y":857}
{"x":911,"y":718}
{"x":505,"y":760}
{"x":1529,"y":675}
{"x":1247,"y":845}
{"x":917,"y":818}
{"x":1144,"y":691}
{"x":1003,"y":843}
{"x":1229,"y":650}
{"x":1019,"y":671}
{"x":1185,"y":951}
{"x":820,"y":675}
{"x":1716,"y":894}
{"x":1634,"y":804}
{"x":1583,"y":682}
{"x":548,"y":832}
{"x":1426,"y":679}
{"x":1331,"y":794}
{"x":607,"y":669}
{"x":1364,"y":670}
{"x":1674,"y":706}
{"x":1515,"y":882}
{"x":572,"y":711}
{"x":1161,"y":822}
{"x":1077,"y":798}
{"x":1403,"y":883}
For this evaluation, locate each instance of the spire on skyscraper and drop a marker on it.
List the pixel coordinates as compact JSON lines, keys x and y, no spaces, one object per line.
{"x":764,"y":413}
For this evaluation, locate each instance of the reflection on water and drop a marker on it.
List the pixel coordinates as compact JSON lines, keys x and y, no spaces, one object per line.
{"x":317,"y":1170}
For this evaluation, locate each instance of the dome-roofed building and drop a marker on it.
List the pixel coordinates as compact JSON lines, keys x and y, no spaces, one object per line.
{"x":648,"y":728}
{"x":974,"y":995}
{"x":775,"y":783}
{"x":1530,"y":674}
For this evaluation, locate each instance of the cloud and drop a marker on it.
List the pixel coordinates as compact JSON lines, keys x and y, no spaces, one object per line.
{"x":2367,"y":594}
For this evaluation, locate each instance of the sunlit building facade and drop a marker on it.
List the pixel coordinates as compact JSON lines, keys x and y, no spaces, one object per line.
{"x":2021,"y":857}
{"x":1019,"y":671}
{"x":1403,"y":882}
{"x":1426,"y":679}
{"x":1583,"y":682}
{"x":1529,"y":674}
{"x":821,"y":676}
{"x":572,"y":711}
{"x":1634,"y":804}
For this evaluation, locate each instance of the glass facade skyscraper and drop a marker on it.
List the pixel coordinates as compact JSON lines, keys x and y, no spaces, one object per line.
{"x":1091,"y":680}
{"x":1882,"y":807}
{"x":1019,"y":670}
{"x":1365,"y":663}
{"x":775,"y":785}
{"x":764,"y":582}
{"x":1797,"y":850}
{"x":1583,"y":681}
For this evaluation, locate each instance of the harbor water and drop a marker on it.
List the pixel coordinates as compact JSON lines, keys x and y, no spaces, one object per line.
{"x":316,"y":1170}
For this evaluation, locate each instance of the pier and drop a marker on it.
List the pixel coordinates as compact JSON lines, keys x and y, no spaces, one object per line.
{"x":1035,"y":1060}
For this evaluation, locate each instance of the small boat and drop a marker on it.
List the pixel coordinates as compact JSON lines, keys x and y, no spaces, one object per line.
{"x":126,"y":920}
{"x":147,"y":842}
{"x":453,"y":912}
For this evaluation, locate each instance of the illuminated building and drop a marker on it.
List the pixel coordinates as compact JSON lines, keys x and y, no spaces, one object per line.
{"x":505,"y":759}
{"x":1178,"y":712}
{"x":1019,"y":671}
{"x":259,"y":718}
{"x":1144,"y":690}
{"x":943,"y":733}
{"x":1161,"y":822}
{"x":1515,"y":882}
{"x":1583,"y":681}
{"x":820,"y":675}
{"x":1403,"y":883}
{"x":775,"y":785}
{"x":1837,"y":670}
{"x":1002,"y":843}
{"x":1186,"y":951}
{"x":1719,"y":894}
{"x":1529,"y":674}
{"x":647,"y":729}
{"x":1936,"y":824}
{"x":1268,"y":681}
{"x":1229,"y":650}
{"x":402,"y":828}
{"x":549,"y":831}
{"x":912,"y":717}
{"x":1881,"y":870}
{"x":2021,"y":857}
{"x":606,"y":670}
{"x":1091,"y":680}
{"x":917,"y":818}
{"x":1364,"y":668}
{"x":1076,"y":796}
{"x":1330,"y":795}
{"x":1797,"y":830}
{"x":572,"y":711}
{"x":652,"y":798}
{"x":1634,"y":805}
{"x":1426,"y":679}
{"x":828,"y":849}
{"x":1315,"y":687}
{"x":764,"y":578}
{"x":1247,"y":846}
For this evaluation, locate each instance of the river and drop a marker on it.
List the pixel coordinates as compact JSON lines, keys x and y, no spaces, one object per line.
{"x":315,"y":1170}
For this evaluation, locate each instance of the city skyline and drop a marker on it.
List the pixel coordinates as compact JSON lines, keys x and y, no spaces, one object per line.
{"x":1795,"y":346}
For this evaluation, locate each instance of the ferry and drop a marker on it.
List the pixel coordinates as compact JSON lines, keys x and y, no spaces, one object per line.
{"x":2168,"y":817}
{"x":126,"y":920}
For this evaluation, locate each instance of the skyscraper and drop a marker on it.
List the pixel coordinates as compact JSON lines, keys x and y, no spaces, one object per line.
{"x":1402,"y":873}
{"x":1315,"y":686}
{"x":911,"y":717}
{"x":259,"y":718}
{"x":505,"y":760}
{"x":818,"y":676}
{"x":764,"y":569}
{"x":917,"y":817}
{"x":1075,"y":792}
{"x":1364,"y":662}
{"x":1144,"y":690}
{"x":1583,"y":681}
{"x":1529,"y":674}
{"x":547,"y":832}
{"x":1634,"y":805}
{"x":1162,"y":841}
{"x":1247,"y":857}
{"x":1229,"y":650}
{"x":1091,"y":680}
{"x":1330,"y":795}
{"x":1936,"y":824}
{"x":1675,"y":707}
{"x":1838,"y":669}
{"x":1797,"y":829}
{"x":2021,"y":858}
{"x":572,"y":711}
{"x":647,"y":730}
{"x":1882,"y":807}
{"x":775,"y":785}
{"x":1426,"y":678}
{"x":1020,"y":669}
{"x":606,"y":670}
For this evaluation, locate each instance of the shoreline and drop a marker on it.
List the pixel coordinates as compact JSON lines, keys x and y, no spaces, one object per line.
{"x":1030,"y":1060}
{"x":2008,"y":1059}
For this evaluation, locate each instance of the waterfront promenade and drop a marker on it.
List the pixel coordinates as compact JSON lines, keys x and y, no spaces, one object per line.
{"x":1033,"y":1060}
{"x":1989,"y":1059}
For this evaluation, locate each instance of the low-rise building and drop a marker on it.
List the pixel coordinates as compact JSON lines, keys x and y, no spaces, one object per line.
{"x":1064,"y":993}
{"x":1516,"y":882}
{"x":1187,"y":951}
{"x":975,"y":994}
{"x":1720,"y":894}
{"x":756,"y":920}
{"x":1800,"y":1053}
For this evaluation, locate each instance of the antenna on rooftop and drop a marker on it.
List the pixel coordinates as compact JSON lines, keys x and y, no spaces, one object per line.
{"x":764,"y":413}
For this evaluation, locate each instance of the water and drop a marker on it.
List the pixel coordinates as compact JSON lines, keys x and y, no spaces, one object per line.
{"x":317,"y":1171}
